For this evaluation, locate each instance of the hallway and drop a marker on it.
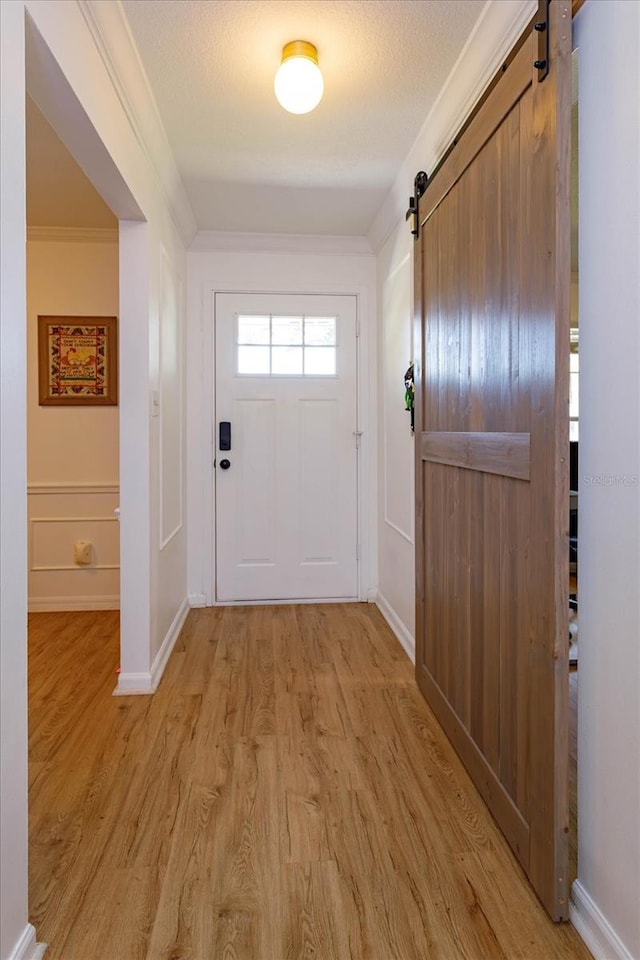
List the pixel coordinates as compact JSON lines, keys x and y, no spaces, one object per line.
{"x":287,"y":793}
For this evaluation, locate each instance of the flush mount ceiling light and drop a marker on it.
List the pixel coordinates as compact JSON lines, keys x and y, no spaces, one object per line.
{"x":299,"y":85}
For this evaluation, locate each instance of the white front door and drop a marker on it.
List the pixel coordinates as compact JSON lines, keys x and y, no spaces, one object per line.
{"x":286,"y":451}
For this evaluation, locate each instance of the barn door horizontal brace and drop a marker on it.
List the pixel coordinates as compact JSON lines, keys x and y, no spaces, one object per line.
{"x":419,"y":186}
{"x":541,"y":26}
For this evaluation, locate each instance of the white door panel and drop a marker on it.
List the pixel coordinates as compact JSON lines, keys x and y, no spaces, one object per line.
{"x":286,"y":508}
{"x":253,"y":492}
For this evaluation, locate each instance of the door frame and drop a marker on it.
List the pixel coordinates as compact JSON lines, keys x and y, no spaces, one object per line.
{"x":365,"y":415}
{"x":56,"y":98}
{"x":225,"y":332}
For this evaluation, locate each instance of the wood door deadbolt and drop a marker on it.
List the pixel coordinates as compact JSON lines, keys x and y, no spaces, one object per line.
{"x":225,"y":435}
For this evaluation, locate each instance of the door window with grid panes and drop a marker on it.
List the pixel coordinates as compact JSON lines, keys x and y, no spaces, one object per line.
{"x":274,"y":346}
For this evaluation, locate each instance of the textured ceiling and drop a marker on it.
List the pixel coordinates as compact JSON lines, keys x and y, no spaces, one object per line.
{"x":58,"y":192}
{"x":248,"y":165}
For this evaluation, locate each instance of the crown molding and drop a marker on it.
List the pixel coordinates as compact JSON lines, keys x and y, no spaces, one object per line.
{"x":73,"y":234}
{"x":497,"y":29}
{"x":215,"y":240}
{"x":109,"y":27}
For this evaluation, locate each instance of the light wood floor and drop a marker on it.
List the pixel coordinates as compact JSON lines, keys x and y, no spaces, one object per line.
{"x":285,"y":794}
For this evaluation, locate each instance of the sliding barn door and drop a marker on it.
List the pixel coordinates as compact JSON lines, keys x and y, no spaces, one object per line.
{"x":492,"y":327}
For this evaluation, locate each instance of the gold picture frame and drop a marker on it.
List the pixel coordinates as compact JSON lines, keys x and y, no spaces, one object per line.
{"x":78,"y":361}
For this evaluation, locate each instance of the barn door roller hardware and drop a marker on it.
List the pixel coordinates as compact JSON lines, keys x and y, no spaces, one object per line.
{"x":541,"y":26}
{"x":419,"y":186}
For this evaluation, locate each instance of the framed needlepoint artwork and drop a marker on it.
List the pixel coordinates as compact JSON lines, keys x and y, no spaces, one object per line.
{"x":78,"y":361}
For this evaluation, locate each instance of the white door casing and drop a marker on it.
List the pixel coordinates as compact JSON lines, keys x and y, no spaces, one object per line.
{"x":286,"y":507}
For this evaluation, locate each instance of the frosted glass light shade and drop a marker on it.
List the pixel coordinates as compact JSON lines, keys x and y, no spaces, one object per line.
{"x":298,"y":84}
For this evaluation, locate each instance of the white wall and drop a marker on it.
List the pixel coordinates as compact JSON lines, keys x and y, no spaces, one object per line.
{"x":72,"y":452}
{"x":85,"y":78}
{"x":606,"y":894}
{"x":13,"y":489}
{"x":396,"y":481}
{"x":285,"y":265}
{"x":69,"y":278}
{"x":168,"y":454}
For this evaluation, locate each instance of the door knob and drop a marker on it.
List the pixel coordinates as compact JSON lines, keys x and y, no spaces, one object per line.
{"x":225,"y":464}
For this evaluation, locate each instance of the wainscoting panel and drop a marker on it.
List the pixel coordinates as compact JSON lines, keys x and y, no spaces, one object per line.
{"x":60,"y":514}
{"x":170,"y":405}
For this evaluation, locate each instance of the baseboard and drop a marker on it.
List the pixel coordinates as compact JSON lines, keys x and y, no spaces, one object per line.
{"x":134,"y":685}
{"x":197,"y":600}
{"x":27,"y":948}
{"x":61,"y":604}
{"x":143,"y":684}
{"x":169,"y":642}
{"x":594,"y":928}
{"x":407,"y":642}
{"x":297,"y":601}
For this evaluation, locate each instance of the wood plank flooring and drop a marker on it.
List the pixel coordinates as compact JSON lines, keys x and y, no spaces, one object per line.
{"x":286,"y":794}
